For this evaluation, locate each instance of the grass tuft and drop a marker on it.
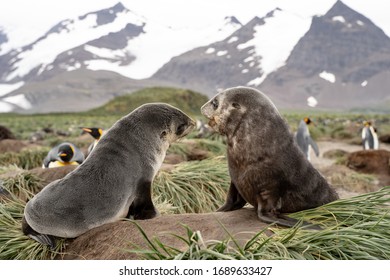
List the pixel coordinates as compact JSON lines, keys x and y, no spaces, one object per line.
{"x":193,"y":187}
{"x":14,"y":245}
{"x":357,"y":228}
{"x":26,"y":159}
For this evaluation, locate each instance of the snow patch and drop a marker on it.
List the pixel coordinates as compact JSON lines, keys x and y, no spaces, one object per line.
{"x":105,"y":53}
{"x":249,"y":58}
{"x":273,"y":44}
{"x":256,"y":82}
{"x":77,"y":32}
{"x":339,"y":18}
{"x":209,"y":51}
{"x":143,"y":47}
{"x":364,"y":83}
{"x":5,"y":107}
{"x":359,"y":22}
{"x":233,"y":39}
{"x":244,"y":71}
{"x":7,"y":88}
{"x":76,"y":66}
{"x":221,"y":53}
{"x":19,"y":100}
{"x":327,"y":76}
{"x":312,"y":102}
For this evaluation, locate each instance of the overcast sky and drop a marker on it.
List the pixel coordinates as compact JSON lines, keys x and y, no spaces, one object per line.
{"x":32,"y":17}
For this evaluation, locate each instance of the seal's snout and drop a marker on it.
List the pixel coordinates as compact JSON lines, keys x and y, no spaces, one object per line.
{"x":206,"y":110}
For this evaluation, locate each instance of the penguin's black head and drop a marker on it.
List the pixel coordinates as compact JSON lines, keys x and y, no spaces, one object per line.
{"x":65,"y":152}
{"x":95,"y":132}
{"x":307,"y":120}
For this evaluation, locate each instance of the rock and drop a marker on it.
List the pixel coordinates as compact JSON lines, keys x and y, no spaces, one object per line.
{"x":115,"y":240}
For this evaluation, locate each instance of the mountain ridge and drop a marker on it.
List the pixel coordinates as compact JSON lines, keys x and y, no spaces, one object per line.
{"x":287,"y":56}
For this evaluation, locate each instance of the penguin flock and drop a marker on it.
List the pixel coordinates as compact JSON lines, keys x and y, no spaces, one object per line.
{"x":305,"y":141}
{"x":67,"y":153}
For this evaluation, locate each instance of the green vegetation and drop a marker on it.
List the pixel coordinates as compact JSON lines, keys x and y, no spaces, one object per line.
{"x":353,"y":229}
{"x":26,"y":159}
{"x":194,"y":186}
{"x":188,"y":101}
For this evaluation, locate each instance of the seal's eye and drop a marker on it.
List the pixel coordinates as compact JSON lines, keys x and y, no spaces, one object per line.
{"x":236,"y":105}
{"x":214,"y":103}
{"x":180,"y":129}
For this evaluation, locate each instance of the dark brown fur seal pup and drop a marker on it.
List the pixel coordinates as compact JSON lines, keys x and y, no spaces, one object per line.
{"x":267,"y":168}
{"x":113,"y":182}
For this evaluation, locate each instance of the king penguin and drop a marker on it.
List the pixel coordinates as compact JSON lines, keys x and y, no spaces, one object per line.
{"x":63,"y":154}
{"x":96,"y":133}
{"x":304,"y":140}
{"x":369,"y":137}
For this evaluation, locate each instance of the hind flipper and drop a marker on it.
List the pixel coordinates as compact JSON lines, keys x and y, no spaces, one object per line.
{"x":234,"y":200}
{"x":41,"y":238}
{"x":285,"y":221}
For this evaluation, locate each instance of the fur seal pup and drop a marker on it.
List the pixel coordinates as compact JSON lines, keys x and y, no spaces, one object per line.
{"x":266,"y":166}
{"x":304,"y":140}
{"x":63,"y":154}
{"x":113,"y":182}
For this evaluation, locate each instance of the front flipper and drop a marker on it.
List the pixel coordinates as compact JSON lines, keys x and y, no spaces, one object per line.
{"x":142,"y":207}
{"x":234,"y":200}
{"x":41,"y":238}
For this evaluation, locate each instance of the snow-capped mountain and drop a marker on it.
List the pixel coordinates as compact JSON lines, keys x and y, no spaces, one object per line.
{"x":114,"y":39}
{"x":339,"y":59}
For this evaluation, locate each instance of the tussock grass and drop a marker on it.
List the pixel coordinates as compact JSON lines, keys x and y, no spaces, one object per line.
{"x":357,"y":228}
{"x":24,"y":185}
{"x":193,"y":187}
{"x":26,"y":159}
{"x":187,"y":146}
{"x":14,"y":245}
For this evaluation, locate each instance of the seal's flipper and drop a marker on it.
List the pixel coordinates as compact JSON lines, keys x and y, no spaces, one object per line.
{"x":142,"y":207}
{"x":41,"y":238}
{"x":234,"y":200}
{"x":285,"y":221}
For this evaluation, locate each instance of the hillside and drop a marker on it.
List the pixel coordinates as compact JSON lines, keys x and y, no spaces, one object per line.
{"x":187,"y":100}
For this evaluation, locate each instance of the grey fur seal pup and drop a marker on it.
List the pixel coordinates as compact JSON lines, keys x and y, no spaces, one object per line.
{"x":266,"y":167}
{"x":113,"y":182}
{"x":304,"y":140}
{"x":63,"y":154}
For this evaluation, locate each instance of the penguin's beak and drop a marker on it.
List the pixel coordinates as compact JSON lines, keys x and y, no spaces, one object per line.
{"x":63,"y":154}
{"x":86,"y":129}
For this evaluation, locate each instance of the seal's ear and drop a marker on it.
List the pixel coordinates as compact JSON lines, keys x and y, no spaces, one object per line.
{"x":163,"y":134}
{"x":236,"y":105}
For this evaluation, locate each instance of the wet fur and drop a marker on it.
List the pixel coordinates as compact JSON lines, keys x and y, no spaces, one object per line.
{"x":266,"y":166}
{"x":114,"y":181}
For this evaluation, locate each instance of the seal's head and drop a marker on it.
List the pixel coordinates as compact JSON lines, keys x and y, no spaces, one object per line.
{"x":169,"y":122}
{"x":226,"y":109}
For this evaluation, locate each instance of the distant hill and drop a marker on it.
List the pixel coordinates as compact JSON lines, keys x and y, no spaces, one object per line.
{"x":186,"y":100}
